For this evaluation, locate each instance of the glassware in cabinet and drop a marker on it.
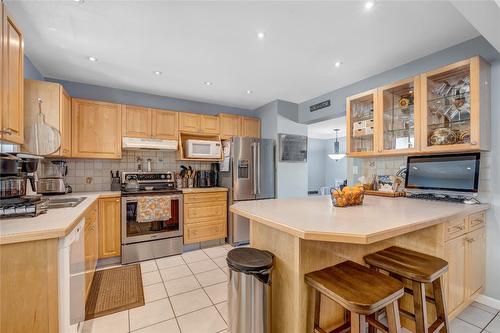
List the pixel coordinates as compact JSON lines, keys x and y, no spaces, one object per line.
{"x":399,"y":116}
{"x":451,"y":102}
{"x":361,"y":123}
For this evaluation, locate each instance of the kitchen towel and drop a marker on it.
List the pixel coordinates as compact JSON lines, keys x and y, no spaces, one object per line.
{"x":151,"y":209}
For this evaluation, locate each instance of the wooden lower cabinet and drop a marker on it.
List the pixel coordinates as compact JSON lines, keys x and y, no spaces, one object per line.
{"x":90,"y":234}
{"x":29,"y":287}
{"x":466,"y":256}
{"x":109,"y":227}
{"x":205,"y":216}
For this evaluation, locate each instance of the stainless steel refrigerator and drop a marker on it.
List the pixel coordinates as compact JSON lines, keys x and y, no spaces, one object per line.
{"x":248,"y":171}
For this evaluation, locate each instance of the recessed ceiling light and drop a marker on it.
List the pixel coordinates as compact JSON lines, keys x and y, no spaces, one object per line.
{"x":369,"y":4}
{"x":80,"y":1}
{"x":208,"y":83}
{"x":249,"y":92}
{"x":157,"y":72}
{"x":93,"y":59}
{"x":51,"y":29}
{"x":337,"y":64}
{"x":261,"y":35}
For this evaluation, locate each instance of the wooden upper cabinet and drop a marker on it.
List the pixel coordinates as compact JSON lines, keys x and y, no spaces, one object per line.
{"x":209,"y":124}
{"x":398,"y":117}
{"x":456,"y":107}
{"x":189,"y":122}
{"x":96,"y":129}
{"x":12,"y":62}
{"x":65,"y":124}
{"x":164,"y":124}
{"x":250,"y":127}
{"x":361,"y":124}
{"x":136,"y":121}
{"x":56,"y":109}
{"x":230,"y":125}
{"x":109,"y":227}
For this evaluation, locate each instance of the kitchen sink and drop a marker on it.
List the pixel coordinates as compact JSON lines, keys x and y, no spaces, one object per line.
{"x":65,"y":202}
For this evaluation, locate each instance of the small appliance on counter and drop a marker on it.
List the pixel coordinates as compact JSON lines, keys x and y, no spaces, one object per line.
{"x":55,"y":180}
{"x":16,"y":169}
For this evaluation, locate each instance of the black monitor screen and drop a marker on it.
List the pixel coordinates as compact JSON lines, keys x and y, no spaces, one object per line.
{"x":458,"y":172}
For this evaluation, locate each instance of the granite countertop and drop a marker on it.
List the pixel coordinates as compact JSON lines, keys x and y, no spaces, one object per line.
{"x":53,"y":224}
{"x":379,"y":218}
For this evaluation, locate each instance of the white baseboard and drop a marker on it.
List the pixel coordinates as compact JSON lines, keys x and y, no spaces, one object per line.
{"x":489,"y":301}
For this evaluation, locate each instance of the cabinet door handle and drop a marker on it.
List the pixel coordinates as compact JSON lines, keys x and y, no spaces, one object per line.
{"x":7,"y":130}
{"x":474,"y":143}
{"x":470,"y":240}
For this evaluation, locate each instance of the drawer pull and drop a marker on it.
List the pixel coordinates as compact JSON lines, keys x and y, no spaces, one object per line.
{"x":476,"y":222}
{"x":470,"y":240}
{"x":456,"y":228}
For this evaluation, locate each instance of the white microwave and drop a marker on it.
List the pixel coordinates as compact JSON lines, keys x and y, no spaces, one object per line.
{"x":202,"y":149}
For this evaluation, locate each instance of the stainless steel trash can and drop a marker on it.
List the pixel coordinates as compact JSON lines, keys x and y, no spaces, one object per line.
{"x":249,"y":290}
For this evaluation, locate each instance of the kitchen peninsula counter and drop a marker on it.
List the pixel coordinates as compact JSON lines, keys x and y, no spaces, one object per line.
{"x":55,"y":223}
{"x":307,"y":234}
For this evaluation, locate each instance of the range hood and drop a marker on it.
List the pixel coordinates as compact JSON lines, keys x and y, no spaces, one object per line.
{"x":148,"y":144}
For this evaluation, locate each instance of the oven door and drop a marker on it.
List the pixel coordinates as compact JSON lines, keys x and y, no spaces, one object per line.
{"x":134,"y":232}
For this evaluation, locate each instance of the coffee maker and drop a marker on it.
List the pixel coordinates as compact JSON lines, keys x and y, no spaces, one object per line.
{"x":16,"y":170}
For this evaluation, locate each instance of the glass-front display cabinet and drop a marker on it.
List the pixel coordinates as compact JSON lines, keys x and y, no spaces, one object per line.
{"x":451,"y":98}
{"x":361,"y":122}
{"x":399,"y":117}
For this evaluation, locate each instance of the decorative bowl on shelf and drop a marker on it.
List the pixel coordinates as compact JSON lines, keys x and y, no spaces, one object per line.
{"x":442,"y":136}
{"x":348,"y":196}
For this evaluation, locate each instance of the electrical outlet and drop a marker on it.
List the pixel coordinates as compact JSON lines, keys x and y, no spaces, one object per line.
{"x":355,"y":169}
{"x":88,"y":180}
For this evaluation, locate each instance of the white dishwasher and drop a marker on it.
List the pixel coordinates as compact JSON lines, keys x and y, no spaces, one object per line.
{"x":72,"y":280}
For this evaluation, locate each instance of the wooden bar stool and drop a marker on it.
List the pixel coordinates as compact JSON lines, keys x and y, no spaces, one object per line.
{"x":420,"y":269}
{"x":362,"y":292}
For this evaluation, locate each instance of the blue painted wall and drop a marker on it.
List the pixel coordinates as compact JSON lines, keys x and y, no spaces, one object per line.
{"x":323,"y":171}
{"x":106,"y":94}
{"x":473,"y":47}
{"x":30,"y":71}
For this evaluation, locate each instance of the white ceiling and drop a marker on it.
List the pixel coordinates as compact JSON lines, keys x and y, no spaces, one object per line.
{"x":325,"y":129}
{"x":194,"y":42}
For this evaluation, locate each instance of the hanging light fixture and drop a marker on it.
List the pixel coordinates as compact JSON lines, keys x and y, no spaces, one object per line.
{"x":336,"y":148}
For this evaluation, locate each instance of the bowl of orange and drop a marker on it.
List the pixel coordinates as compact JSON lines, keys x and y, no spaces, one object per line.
{"x":348,"y":196}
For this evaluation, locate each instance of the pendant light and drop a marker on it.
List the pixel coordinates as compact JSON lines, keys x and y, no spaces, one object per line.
{"x":336,"y":148}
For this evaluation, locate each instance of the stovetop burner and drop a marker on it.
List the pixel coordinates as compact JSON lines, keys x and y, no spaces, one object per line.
{"x":135,"y":183}
{"x":23,"y":206}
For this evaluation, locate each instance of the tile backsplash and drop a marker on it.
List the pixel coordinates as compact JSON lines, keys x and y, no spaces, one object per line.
{"x":94,"y":175}
{"x":379,"y":166}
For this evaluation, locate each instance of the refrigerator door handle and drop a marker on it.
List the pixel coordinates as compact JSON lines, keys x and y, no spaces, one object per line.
{"x":254,"y":169}
{"x":258,"y":167}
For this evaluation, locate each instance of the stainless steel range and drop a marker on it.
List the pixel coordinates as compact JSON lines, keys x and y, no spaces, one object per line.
{"x":155,"y":239}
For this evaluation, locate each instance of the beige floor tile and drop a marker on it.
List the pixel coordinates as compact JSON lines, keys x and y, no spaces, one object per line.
{"x":202,"y":266}
{"x":154,"y":292}
{"x":217,"y":292}
{"x":211,"y":277}
{"x":226,"y":271}
{"x":485,"y":307}
{"x":151,"y":278}
{"x":150,"y":314}
{"x":148,"y":266}
{"x":194,"y":256}
{"x":212,"y":321}
{"x":116,"y":322}
{"x":168,"y":262}
{"x":220,"y":261}
{"x":176,"y":272}
{"x":494,"y":325}
{"x":215,"y":252}
{"x":476,"y":316}
{"x":460,"y":326}
{"x":189,"y":302}
{"x":169,"y":326}
{"x":182,"y":285}
{"x":228,"y":247}
{"x":222,"y":308}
